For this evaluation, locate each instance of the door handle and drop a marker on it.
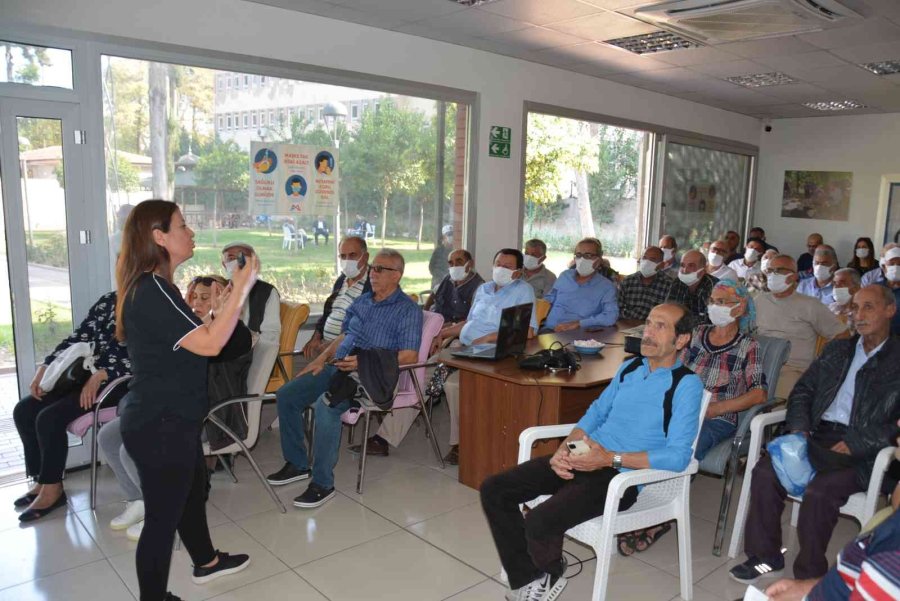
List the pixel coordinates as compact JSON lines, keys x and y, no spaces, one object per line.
{"x":84,"y":236}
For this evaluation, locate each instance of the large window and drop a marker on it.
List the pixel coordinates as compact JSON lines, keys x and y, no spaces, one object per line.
{"x":585,"y":179}
{"x":172,"y":132}
{"x":36,"y":65}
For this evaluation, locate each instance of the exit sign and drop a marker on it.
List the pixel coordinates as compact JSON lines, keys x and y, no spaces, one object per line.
{"x":498,"y":145}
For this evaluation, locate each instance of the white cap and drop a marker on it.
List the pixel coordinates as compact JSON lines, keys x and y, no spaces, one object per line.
{"x":231,"y":245}
{"x":892,"y":254}
{"x":447,"y":230}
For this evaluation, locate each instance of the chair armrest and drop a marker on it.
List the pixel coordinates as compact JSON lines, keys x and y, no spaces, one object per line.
{"x":626,"y":480}
{"x":107,"y":390}
{"x":882,"y":461}
{"x":767,"y":419}
{"x":752,"y":412}
{"x":531,"y":435}
{"x":419,"y":365}
{"x":240,"y":399}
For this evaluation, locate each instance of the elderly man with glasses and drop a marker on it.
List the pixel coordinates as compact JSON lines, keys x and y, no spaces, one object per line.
{"x":581,"y":297}
{"x":821,"y":285}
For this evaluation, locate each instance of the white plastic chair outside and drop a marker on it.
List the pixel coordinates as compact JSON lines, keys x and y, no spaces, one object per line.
{"x":370,"y":231}
{"x":407,"y":396}
{"x":665,"y":496}
{"x":861,"y":505}
{"x":290,"y":238}
{"x":264,"y":356}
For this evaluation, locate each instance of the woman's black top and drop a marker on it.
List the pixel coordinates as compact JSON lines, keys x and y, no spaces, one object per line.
{"x":168,"y":381}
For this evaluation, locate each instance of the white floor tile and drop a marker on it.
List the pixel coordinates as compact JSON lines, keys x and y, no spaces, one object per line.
{"x":484,"y":591}
{"x":286,"y":585}
{"x":9,"y":516}
{"x":464,"y":534}
{"x":664,"y":553}
{"x":92,"y":582}
{"x":304,"y":535}
{"x":397,"y":567}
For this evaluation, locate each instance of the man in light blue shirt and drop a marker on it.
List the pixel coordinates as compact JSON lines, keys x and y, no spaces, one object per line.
{"x":581,"y":297}
{"x":624,"y":429}
{"x":821,"y":285}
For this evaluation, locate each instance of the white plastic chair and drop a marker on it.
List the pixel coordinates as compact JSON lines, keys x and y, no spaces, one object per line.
{"x":370,"y":231}
{"x":860,"y":506}
{"x":665,"y":496}
{"x":290,"y":238}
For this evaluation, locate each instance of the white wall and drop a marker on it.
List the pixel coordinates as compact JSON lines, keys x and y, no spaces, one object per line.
{"x":502,"y":83}
{"x":863,"y":144}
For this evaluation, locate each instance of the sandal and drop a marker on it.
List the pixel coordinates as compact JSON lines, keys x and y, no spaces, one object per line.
{"x":627,"y":544}
{"x":648,"y":540}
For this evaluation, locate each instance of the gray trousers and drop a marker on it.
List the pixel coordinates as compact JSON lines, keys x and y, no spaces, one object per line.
{"x":110,"y":441}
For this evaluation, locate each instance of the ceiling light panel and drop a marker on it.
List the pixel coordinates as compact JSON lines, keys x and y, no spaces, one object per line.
{"x":882,"y":67}
{"x":649,"y":43}
{"x":835,"y":105}
{"x":761,"y":80}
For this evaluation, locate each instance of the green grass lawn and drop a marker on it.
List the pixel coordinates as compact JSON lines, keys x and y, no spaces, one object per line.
{"x":300,"y":275}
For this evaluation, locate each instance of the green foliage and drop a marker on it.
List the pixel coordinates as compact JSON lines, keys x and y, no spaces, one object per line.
{"x":40,"y":133}
{"x":121,"y":175}
{"x":616,"y":179}
{"x":556,"y":146}
{"x":225,"y":167}
{"x":49,"y":249}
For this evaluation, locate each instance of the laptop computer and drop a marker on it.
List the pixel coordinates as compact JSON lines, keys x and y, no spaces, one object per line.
{"x":511,"y":337}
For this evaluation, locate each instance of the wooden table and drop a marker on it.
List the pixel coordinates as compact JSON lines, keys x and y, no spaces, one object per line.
{"x":498,"y":400}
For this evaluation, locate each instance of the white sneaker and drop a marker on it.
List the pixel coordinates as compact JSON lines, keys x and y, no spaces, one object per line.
{"x":540,"y":589}
{"x":134,"y":513}
{"x":134,"y":531}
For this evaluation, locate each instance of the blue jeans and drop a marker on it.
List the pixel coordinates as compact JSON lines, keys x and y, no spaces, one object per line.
{"x":292,"y":400}
{"x":712,"y":433}
{"x":327,"y":444}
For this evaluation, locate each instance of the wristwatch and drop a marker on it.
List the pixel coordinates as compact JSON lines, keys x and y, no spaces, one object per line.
{"x":617,"y":461}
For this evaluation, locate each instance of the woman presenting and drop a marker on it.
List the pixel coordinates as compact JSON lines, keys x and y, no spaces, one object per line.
{"x":167,"y":400}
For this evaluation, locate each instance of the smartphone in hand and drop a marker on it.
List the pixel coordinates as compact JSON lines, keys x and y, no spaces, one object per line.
{"x":578,"y":447}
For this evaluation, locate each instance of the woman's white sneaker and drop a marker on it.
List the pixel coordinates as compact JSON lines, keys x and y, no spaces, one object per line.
{"x":134,"y":531}
{"x":134,"y":513}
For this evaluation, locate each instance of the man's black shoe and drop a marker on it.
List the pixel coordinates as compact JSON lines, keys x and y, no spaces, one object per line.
{"x":314,"y":496}
{"x":287,"y":475}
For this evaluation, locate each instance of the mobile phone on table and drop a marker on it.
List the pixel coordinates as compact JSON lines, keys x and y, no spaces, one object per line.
{"x":578,"y":447}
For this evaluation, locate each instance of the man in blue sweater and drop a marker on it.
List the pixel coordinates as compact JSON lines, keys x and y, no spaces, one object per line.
{"x":626,"y":428}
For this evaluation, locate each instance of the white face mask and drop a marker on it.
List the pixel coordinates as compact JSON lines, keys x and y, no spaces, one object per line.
{"x":841,"y":296}
{"x":502,"y":276}
{"x":822,"y":272}
{"x":648,"y":268}
{"x":689,"y":279}
{"x":862,"y":253}
{"x":584,"y":267}
{"x":892,"y":273}
{"x":751,"y":255}
{"x":714,"y":259}
{"x":764,"y":264}
{"x":532,"y":263}
{"x":777,"y":282}
{"x":458,"y":273}
{"x":668,"y":253}
{"x":350,"y":268}
{"x":720,"y":315}
{"x":230,"y":267}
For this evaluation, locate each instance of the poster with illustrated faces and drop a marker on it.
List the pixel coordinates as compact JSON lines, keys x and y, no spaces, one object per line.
{"x":701,"y":197}
{"x":293,"y":179}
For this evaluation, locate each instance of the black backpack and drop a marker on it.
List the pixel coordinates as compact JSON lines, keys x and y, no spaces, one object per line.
{"x":677,"y":375}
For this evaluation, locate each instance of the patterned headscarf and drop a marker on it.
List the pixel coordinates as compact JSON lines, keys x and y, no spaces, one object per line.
{"x":746,"y":322}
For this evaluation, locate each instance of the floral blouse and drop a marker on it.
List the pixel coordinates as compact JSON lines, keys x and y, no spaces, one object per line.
{"x":99,"y":327}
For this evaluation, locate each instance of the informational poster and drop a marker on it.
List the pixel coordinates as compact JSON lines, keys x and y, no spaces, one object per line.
{"x":293,"y":179}
{"x":700,"y":198}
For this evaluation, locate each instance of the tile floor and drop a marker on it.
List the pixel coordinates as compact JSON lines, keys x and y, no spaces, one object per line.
{"x":415,"y":534}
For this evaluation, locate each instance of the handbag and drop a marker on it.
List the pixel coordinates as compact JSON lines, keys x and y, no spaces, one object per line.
{"x":70,"y":370}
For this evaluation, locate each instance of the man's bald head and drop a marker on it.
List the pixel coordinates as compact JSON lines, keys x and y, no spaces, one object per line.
{"x":653,"y":253}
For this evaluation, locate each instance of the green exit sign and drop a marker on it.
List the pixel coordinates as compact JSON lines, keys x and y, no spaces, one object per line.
{"x":498,"y":145}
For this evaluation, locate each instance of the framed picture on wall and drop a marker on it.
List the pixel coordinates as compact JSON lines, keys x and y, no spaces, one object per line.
{"x":817,"y":195}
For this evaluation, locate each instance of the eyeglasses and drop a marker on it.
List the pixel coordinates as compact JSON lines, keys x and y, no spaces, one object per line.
{"x":589,"y":256}
{"x":381,"y":268}
{"x":780,"y":271}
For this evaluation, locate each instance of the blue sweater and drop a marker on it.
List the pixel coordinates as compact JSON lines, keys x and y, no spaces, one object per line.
{"x":627,"y":417}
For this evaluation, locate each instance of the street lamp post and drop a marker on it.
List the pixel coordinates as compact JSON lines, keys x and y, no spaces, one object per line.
{"x":332,"y":113}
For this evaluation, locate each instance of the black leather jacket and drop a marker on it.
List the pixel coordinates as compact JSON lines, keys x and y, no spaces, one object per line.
{"x":876,"y":400}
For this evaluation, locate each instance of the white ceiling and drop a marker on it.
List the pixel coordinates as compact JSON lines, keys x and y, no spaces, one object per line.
{"x":569,"y":34}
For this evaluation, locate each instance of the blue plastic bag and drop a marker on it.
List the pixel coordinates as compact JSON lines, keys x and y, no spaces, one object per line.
{"x":791,"y":462}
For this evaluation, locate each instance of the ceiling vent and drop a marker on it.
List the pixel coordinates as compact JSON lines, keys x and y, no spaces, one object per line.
{"x":718,"y":21}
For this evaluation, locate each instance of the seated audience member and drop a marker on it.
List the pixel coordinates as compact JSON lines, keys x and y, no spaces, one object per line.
{"x":536,"y":273}
{"x":782,"y":313}
{"x":821,"y":285}
{"x":846,"y":284}
{"x":349,"y":286}
{"x":758,"y":232}
{"x":262,"y":311}
{"x":733,"y":239}
{"x":693,"y":286}
{"x":109,"y":439}
{"x":506,"y":289}
{"x":41,"y":417}
{"x":643,"y":290}
{"x":624,"y":429}
{"x":294,"y":397}
{"x":756,"y":282}
{"x":892,"y":282}
{"x":717,"y":261}
{"x":876,"y":276}
{"x":727,"y":359}
{"x":749,"y":263}
{"x":453,"y":300}
{"x":385,"y":319}
{"x":805,"y":262}
{"x":846,"y":405}
{"x":863,"y":259}
{"x":671,"y":260}
{"x":437,"y":264}
{"x":581,"y":297}
{"x":321,"y":229}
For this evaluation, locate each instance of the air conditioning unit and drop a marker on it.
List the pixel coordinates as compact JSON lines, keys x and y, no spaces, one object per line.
{"x":718,"y":21}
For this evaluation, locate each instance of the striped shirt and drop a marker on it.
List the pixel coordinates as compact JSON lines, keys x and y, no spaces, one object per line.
{"x":727,"y":371}
{"x":394,"y":324}
{"x":345,"y":297}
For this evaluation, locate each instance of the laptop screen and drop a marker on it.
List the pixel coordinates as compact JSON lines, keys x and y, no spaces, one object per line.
{"x":513,"y":332}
